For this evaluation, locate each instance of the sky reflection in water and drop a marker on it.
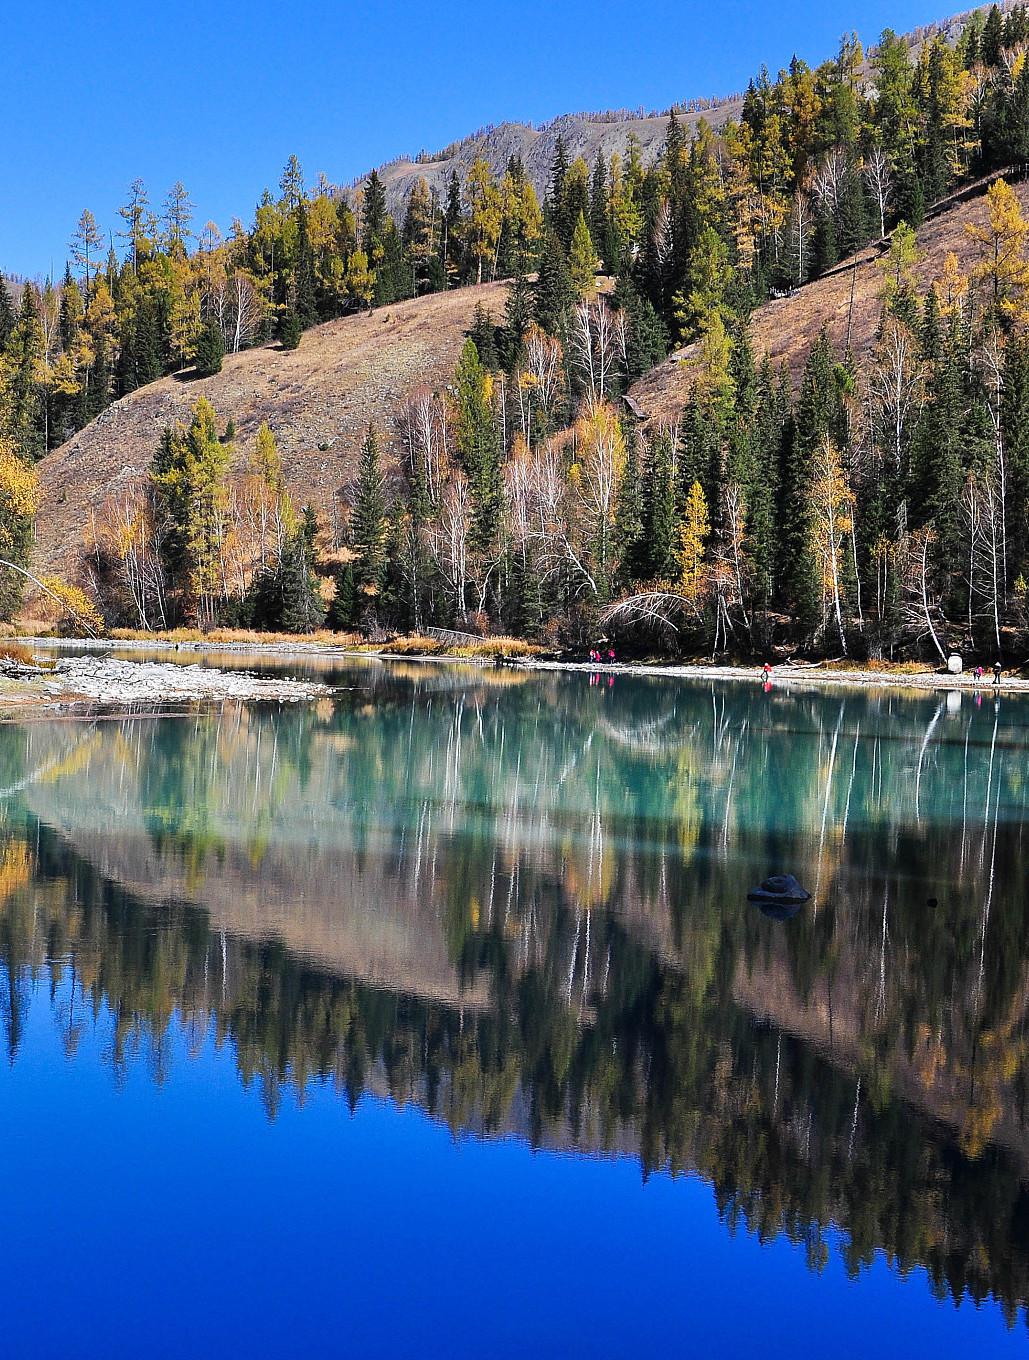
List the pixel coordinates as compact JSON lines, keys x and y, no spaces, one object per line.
{"x":434,"y":1020}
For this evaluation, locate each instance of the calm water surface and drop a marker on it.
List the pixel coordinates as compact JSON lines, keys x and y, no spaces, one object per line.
{"x":432,"y":1019}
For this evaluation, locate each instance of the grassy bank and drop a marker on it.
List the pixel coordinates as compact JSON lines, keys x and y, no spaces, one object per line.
{"x":322,"y":642}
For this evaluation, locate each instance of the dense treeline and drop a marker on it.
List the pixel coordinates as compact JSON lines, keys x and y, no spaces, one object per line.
{"x":525,"y":500}
{"x":884,"y":508}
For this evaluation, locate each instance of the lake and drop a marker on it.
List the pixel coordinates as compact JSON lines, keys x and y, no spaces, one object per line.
{"x":432,"y":1019}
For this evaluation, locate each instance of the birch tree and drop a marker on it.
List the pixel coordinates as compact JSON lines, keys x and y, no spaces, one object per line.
{"x":832,"y":511}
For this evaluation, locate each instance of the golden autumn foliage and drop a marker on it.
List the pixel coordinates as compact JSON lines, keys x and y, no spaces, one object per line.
{"x":1002,"y":243}
{"x":18,"y":486}
{"x":832,"y":519}
{"x":15,"y":869}
{"x":696,"y":529}
{"x":486,"y":214}
{"x":68,"y":607}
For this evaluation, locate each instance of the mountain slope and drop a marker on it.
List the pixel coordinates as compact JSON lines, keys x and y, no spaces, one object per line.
{"x":583,"y":136}
{"x":846,"y":301}
{"x":318,"y":399}
{"x":349,"y":372}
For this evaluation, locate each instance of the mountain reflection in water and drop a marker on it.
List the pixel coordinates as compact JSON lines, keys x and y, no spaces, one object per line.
{"x":520,"y":904}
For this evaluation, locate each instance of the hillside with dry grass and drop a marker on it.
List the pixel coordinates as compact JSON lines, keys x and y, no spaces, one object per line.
{"x":846,"y":301}
{"x":318,"y":399}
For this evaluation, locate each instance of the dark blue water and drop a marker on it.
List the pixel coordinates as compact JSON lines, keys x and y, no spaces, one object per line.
{"x":433,"y":1020}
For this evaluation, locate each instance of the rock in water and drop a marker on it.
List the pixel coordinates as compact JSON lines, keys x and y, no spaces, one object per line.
{"x":780,"y":896}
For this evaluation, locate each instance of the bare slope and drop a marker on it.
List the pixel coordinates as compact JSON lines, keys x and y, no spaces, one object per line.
{"x":318,"y":399}
{"x":846,"y":302}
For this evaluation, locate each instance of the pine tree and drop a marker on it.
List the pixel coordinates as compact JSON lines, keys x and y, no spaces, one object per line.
{"x":285,"y":596}
{"x":189,"y":473}
{"x":554,"y":292}
{"x":817,"y":418}
{"x":8,"y":316}
{"x":306,"y":305}
{"x":556,"y":208}
{"x":393,"y":280}
{"x":146,"y":343}
{"x":659,"y":548}
{"x":1015,"y":433}
{"x":70,"y":320}
{"x":483,"y":336}
{"x":290,"y":329}
{"x":477,"y":446}
{"x":22,"y":416}
{"x":368,"y":519}
{"x":291,"y":185}
{"x":343,"y":610}
{"x":647,"y":333}
{"x":854,"y":229}
{"x":517,"y":318}
{"x":373,"y":219}
{"x":629,"y":540}
{"x":209,"y":351}
{"x":824,"y":248}
{"x":126,"y":375}
{"x":598,"y":210}
{"x":992,"y":42}
{"x":935,"y":470}
{"x":765,"y":436}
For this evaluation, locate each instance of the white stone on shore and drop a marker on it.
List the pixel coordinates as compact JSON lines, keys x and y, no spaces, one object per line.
{"x":152,"y":682}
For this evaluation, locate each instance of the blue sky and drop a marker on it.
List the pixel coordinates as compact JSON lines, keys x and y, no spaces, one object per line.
{"x":219,"y":94}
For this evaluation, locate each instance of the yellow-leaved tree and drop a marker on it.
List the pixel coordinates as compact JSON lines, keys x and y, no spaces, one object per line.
{"x":485,"y":214}
{"x":1002,"y":242}
{"x":18,"y":483}
{"x":359,"y":280}
{"x":713,"y":384}
{"x":595,"y":477}
{"x":695,"y":531}
{"x":68,"y":608}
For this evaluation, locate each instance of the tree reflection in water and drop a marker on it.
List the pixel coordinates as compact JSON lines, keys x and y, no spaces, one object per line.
{"x":520,"y":903}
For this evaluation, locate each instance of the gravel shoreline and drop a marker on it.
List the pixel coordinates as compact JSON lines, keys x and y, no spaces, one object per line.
{"x":104,"y":680}
{"x":782,"y":676}
{"x":789,"y":677}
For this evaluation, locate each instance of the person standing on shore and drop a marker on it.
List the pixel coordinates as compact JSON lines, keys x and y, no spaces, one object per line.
{"x":997,"y":671}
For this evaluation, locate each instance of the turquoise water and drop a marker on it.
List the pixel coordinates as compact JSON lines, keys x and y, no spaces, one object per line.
{"x":432,"y":1019}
